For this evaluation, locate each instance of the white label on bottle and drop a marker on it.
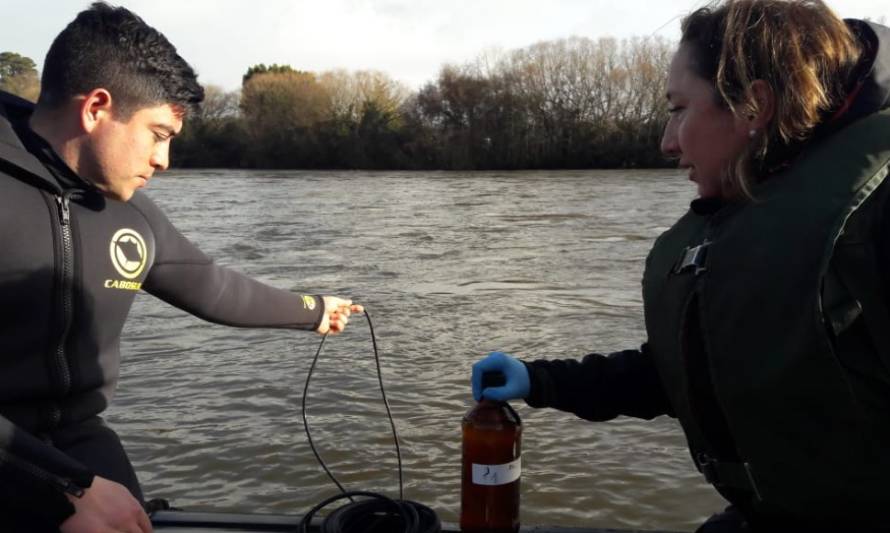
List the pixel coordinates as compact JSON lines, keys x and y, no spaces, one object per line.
{"x":497,"y":474}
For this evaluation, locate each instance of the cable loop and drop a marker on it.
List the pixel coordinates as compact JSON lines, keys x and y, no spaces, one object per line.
{"x":376,"y":512}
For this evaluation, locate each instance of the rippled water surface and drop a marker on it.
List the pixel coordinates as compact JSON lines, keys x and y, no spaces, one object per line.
{"x":450,"y":266}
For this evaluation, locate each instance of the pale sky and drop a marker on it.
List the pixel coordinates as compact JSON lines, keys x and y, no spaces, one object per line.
{"x":408,"y":39}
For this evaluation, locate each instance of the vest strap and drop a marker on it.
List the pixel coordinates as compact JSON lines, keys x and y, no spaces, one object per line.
{"x":727,"y":474}
{"x":858,"y":269}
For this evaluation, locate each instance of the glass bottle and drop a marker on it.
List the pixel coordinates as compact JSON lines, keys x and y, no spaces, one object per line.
{"x":491,"y":461}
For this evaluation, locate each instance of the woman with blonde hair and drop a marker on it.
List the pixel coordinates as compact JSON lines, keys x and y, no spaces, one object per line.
{"x":767,"y":305}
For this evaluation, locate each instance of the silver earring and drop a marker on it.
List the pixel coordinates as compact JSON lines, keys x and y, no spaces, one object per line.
{"x":752,"y":133}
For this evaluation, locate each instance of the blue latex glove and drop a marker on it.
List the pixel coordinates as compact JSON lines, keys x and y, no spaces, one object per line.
{"x":517,"y":383}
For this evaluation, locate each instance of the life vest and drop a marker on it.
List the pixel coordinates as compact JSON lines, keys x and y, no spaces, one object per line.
{"x":789,"y":311}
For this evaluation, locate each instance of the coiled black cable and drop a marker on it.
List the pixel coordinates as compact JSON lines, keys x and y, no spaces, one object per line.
{"x":375,"y":513}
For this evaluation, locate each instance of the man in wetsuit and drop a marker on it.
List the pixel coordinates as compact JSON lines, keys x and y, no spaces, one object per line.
{"x":78,"y":240}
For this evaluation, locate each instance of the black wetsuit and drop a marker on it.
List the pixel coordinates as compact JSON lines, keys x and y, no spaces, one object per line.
{"x":70,"y":266}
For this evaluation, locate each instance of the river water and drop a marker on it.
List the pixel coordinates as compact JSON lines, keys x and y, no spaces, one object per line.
{"x":450,"y":266}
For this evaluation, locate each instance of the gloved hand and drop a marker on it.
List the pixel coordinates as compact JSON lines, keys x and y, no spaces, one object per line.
{"x":517,"y":383}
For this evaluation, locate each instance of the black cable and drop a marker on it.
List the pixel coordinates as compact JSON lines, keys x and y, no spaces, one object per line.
{"x":306,"y":420}
{"x":376,"y":513}
{"x":395,"y":435}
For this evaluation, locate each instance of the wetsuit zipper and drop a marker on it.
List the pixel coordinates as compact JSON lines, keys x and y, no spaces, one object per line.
{"x":61,"y":483}
{"x":67,"y":279}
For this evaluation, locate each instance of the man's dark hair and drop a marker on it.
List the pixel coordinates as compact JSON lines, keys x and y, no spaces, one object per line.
{"x":112,"y":48}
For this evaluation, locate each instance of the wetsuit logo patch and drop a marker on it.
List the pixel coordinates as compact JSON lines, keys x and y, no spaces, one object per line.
{"x":128,"y":255}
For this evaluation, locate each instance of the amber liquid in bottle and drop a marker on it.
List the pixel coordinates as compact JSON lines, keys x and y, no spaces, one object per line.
{"x":489,"y":499}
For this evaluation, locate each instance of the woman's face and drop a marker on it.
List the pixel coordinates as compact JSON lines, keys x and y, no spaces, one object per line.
{"x":702,"y":134}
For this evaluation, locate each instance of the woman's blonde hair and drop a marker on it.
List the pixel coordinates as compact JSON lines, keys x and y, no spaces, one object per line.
{"x":800,"y":48}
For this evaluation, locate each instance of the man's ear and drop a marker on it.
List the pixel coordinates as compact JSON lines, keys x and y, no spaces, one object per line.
{"x":766,"y":104}
{"x":96,"y":107}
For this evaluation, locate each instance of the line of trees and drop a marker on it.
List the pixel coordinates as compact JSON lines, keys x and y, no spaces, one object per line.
{"x":18,"y":75}
{"x":570,"y":103}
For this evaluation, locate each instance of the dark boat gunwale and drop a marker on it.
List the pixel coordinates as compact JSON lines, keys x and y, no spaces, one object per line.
{"x":198,"y":521}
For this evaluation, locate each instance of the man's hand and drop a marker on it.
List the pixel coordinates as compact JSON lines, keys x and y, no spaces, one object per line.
{"x":106,"y":507}
{"x":336,"y":314}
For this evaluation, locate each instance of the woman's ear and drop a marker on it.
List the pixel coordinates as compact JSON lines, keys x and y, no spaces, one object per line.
{"x":766,"y":104}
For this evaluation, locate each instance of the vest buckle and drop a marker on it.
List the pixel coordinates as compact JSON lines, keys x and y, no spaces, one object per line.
{"x":726,"y":474}
{"x":693,"y":259}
